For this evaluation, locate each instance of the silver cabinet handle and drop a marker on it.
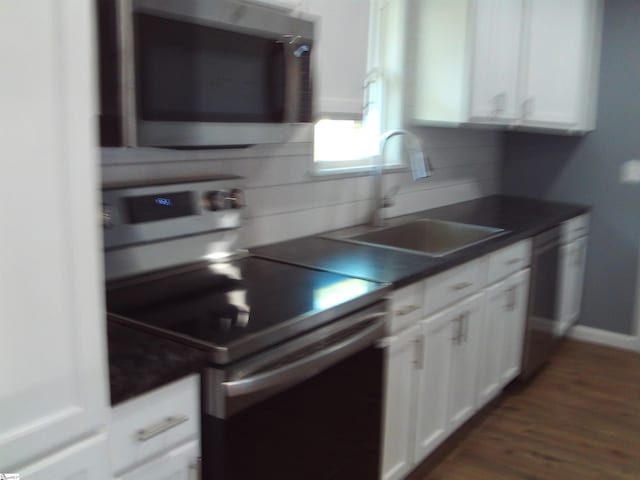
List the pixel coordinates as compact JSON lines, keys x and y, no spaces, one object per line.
{"x":457,"y":338}
{"x":168,"y":423}
{"x":465,"y":326}
{"x":406,"y":310}
{"x":499,"y":100}
{"x":461,"y":285}
{"x":419,"y":353}
{"x":511,"y":302}
{"x":195,"y":469}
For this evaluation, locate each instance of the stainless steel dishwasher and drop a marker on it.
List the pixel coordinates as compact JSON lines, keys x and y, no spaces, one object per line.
{"x":542,"y":312}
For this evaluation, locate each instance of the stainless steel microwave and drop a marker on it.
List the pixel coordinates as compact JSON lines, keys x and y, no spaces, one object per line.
{"x":201,"y":73}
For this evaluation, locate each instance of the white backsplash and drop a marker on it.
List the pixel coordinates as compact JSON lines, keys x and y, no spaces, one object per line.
{"x":286,"y":201}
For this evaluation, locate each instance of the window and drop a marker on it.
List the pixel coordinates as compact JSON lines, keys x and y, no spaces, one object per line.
{"x":349,"y":144}
{"x":344,"y":141}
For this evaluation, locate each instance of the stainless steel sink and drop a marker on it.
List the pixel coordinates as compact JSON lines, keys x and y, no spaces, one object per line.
{"x":433,"y":237}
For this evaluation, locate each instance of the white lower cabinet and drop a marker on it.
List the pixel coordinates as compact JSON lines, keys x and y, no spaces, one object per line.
{"x":447,"y":377}
{"x":514,"y":325}
{"x":85,"y":460}
{"x":502,"y":335}
{"x":157,"y":435}
{"x":433,"y":383}
{"x":571,"y":277}
{"x":400,"y":380}
{"x":179,"y":464}
{"x":466,"y":319}
{"x":443,"y":368}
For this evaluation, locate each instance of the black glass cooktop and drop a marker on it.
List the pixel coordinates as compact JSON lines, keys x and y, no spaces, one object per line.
{"x":237,"y":308}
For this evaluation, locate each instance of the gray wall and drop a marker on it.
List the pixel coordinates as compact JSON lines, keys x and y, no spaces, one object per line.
{"x":587,"y":170}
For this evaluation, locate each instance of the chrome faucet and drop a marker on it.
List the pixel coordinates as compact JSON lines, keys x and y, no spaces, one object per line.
{"x":420,"y":168}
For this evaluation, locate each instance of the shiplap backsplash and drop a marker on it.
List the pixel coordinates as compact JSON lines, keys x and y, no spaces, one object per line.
{"x":285,"y":200}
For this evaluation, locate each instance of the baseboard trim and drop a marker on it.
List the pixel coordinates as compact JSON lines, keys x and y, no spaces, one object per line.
{"x":604,"y":337}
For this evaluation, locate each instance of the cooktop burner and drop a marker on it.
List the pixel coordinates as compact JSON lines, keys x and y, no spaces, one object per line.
{"x":237,"y":308}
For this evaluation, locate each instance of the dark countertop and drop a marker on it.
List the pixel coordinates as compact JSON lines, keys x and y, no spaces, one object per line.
{"x":523,"y":218}
{"x":165,"y":325}
{"x":140,"y":362}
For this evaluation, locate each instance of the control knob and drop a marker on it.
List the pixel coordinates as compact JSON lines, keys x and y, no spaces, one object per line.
{"x":236,"y":197}
{"x":216,"y":200}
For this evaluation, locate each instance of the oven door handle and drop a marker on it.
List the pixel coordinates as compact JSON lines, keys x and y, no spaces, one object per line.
{"x":373,"y":329}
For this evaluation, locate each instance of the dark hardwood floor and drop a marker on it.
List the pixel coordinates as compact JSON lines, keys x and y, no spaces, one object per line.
{"x":578,"y":419}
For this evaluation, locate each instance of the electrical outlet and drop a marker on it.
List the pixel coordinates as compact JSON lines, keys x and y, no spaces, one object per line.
{"x":630,"y":172}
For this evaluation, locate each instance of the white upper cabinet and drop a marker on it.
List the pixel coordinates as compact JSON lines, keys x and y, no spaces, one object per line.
{"x":560,"y":60}
{"x":292,"y":5}
{"x":441,"y":60}
{"x":341,"y":54}
{"x":53,"y":369}
{"x":495,"y":55}
{"x":517,"y":63}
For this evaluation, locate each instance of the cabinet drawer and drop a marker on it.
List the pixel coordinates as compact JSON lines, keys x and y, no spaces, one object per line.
{"x":575,"y":228}
{"x":452,"y":285}
{"x":154,"y":423}
{"x":509,"y":260}
{"x":406,"y":307}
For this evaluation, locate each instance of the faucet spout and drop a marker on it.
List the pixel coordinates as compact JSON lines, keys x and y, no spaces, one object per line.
{"x":417,"y":162}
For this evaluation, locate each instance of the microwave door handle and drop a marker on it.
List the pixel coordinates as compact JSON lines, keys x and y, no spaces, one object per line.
{"x":308,"y":366}
{"x":297,"y":70}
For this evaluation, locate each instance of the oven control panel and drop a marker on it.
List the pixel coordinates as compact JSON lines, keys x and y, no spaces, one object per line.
{"x":136,"y":214}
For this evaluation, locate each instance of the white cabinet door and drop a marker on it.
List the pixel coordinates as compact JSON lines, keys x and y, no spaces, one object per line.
{"x":571,"y":278}
{"x":464,"y":360}
{"x":341,"y":42}
{"x":495,"y":58}
{"x":491,"y":344}
{"x":52,"y":321}
{"x":517,"y":293}
{"x":400,"y":404}
{"x":178,"y":464}
{"x":431,"y":422}
{"x":559,"y":48}
{"x":566,"y":282}
{"x":86,"y":460}
{"x":578,"y":262}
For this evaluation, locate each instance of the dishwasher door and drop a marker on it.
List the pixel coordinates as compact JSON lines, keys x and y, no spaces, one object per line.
{"x":542,"y":314}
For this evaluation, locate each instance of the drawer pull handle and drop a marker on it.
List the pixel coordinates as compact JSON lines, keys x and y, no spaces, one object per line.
{"x":461,"y":285}
{"x":407,"y":309}
{"x":168,"y":423}
{"x":195,"y":469}
{"x":513,"y":261}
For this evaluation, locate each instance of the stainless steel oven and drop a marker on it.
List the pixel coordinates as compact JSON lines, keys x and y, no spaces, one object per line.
{"x":292,"y":387}
{"x":201,"y":73}
{"x":311,"y":408}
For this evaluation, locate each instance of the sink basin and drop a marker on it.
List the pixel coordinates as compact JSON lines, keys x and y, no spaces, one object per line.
{"x":433,"y":237}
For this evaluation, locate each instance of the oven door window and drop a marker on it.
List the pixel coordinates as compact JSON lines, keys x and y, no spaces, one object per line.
{"x":193,"y":73}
